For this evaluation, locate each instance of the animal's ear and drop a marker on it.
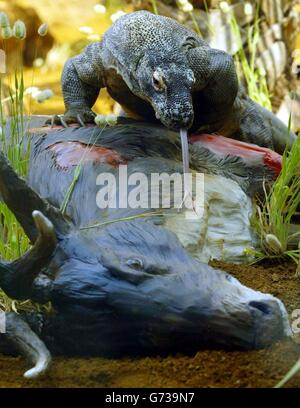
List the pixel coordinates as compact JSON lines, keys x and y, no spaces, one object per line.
{"x":121,"y":269}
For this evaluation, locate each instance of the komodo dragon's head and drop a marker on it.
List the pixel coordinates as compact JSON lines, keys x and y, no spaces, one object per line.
{"x":166,"y":82}
{"x":150,"y":52}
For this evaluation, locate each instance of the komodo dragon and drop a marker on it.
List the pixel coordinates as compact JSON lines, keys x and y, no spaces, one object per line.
{"x":160,"y":70}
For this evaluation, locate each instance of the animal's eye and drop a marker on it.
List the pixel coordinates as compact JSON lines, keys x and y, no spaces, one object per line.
{"x":158,"y":81}
{"x":135,"y":263}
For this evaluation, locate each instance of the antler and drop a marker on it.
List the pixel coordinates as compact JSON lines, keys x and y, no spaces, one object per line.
{"x":16,"y":278}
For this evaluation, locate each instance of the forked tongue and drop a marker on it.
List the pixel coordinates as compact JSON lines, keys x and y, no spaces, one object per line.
{"x":187,"y":187}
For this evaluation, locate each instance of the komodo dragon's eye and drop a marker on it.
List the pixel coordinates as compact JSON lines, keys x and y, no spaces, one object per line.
{"x":158,"y":81}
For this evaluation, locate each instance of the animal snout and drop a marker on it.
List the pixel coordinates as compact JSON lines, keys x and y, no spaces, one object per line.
{"x":176,"y":114}
{"x":187,"y":121}
{"x":180,"y":121}
{"x":270,"y":320}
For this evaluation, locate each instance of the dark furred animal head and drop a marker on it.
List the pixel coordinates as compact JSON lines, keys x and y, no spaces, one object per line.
{"x":143,"y":283}
{"x":132,"y":288}
{"x":166,"y":82}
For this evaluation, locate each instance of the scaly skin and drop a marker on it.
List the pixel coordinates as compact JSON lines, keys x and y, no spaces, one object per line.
{"x":158,"y":69}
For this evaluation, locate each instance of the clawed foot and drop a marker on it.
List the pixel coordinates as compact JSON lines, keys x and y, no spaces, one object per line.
{"x":71,"y":117}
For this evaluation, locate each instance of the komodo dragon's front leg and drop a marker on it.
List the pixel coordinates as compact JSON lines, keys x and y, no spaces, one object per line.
{"x":82,"y":79}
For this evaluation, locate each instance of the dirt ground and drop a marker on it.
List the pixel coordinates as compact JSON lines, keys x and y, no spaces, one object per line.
{"x":263,"y":368}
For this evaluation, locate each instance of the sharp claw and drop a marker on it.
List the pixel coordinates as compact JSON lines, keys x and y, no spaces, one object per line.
{"x":52,"y":121}
{"x":80,"y":121}
{"x":63,"y":122}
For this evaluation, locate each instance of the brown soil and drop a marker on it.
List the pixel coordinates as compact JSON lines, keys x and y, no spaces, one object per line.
{"x":263,"y":368}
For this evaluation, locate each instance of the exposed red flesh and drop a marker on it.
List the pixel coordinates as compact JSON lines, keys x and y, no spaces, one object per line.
{"x":219,"y":145}
{"x":223,"y":146}
{"x":68,"y":154}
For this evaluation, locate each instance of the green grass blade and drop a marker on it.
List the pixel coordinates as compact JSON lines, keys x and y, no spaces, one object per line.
{"x":293,"y":371}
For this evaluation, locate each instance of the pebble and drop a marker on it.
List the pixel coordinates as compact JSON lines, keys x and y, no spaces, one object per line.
{"x":275,"y":277}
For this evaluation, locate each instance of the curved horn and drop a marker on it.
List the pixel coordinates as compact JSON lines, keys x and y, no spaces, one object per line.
{"x":18,"y":332}
{"x":16,"y":278}
{"x":22,"y":201}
